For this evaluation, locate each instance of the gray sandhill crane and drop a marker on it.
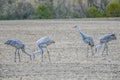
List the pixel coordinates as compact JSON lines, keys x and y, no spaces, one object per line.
{"x":17,"y":44}
{"x":104,"y":40}
{"x":87,"y":39}
{"x":43,"y":42}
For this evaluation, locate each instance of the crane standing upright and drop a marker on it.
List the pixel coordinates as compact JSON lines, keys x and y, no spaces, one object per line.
{"x":104,"y":40}
{"x":43,"y":43}
{"x":17,"y":44}
{"x":87,"y":39}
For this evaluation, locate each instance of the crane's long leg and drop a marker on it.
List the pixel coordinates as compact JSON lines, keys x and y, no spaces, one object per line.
{"x":42,"y":55}
{"x":104,"y":48}
{"x":92,"y":51}
{"x":27,"y":53}
{"x":15,"y":56}
{"x":48,"y":54}
{"x":19,"y":56}
{"x":87,"y":50}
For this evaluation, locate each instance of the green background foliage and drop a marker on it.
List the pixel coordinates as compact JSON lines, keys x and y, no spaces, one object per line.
{"x":93,"y":12}
{"x":113,"y":9}
{"x":58,"y":9}
{"x":43,"y":12}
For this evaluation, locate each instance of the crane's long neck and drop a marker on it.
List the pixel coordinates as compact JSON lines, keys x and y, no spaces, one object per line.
{"x":27,"y":53}
{"x":98,"y":47}
{"x":38,"y":51}
{"x":81,"y":33}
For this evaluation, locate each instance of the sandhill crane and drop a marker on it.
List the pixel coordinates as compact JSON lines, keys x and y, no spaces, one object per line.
{"x":18,"y":44}
{"x":104,"y":40}
{"x":87,"y":39}
{"x":43,"y":43}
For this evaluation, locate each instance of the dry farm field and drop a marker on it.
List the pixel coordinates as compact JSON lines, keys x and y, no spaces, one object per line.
{"x":68,"y":54}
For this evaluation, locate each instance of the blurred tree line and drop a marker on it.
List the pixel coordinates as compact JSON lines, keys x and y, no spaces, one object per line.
{"x":48,"y":9}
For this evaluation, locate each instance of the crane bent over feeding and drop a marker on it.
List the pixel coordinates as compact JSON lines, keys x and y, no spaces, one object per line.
{"x":87,"y":39}
{"x":104,"y":40}
{"x":43,"y":43}
{"x":18,"y":44}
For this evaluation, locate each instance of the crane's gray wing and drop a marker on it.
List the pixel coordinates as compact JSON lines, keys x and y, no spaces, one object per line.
{"x":45,"y":41}
{"x":107,"y":37}
{"x":89,"y":40}
{"x":15,"y":43}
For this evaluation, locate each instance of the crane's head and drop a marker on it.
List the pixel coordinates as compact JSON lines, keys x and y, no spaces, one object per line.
{"x":76,"y":27}
{"x":50,"y":41}
{"x":8,"y":42}
{"x":53,"y":42}
{"x":113,"y":37}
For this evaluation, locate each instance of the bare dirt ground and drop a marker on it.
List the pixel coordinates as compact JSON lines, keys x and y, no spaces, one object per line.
{"x":68,"y":54}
